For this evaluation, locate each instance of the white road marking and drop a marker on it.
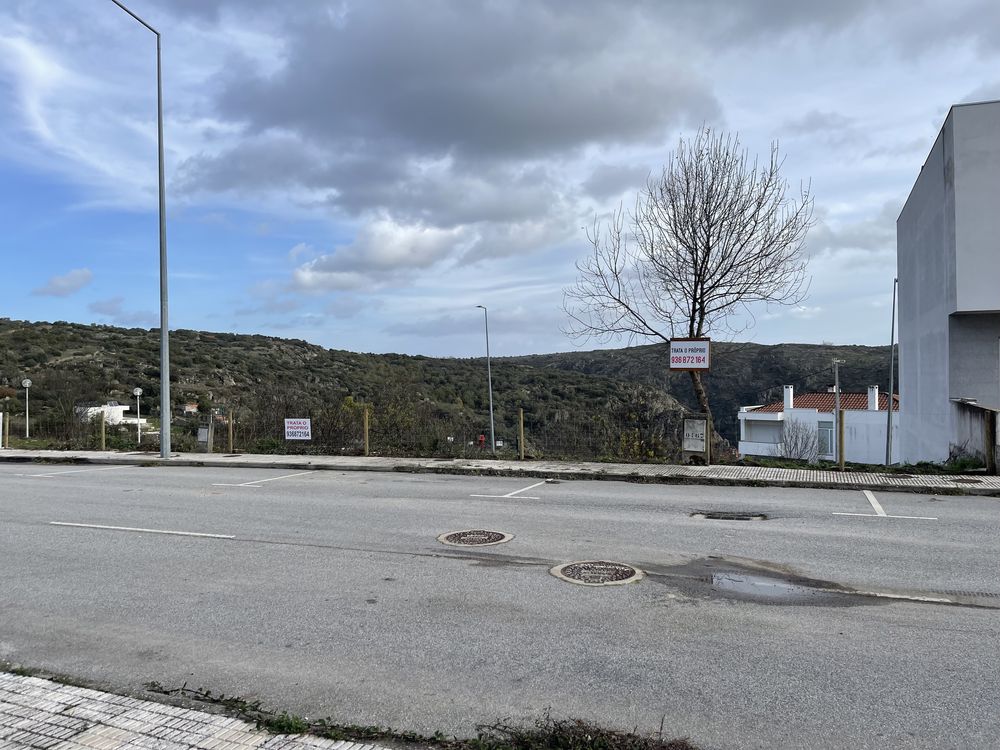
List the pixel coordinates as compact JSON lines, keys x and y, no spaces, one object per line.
{"x":884,"y":515}
{"x":258,"y":482}
{"x":143,"y":531}
{"x":52,"y":474}
{"x":874,"y":502}
{"x":516,"y":493}
{"x":880,"y":512}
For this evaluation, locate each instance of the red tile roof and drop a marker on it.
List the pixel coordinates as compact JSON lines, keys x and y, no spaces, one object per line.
{"x":826,"y":402}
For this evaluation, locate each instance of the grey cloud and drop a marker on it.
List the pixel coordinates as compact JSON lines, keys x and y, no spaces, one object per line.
{"x":113,"y":309}
{"x":874,"y":234}
{"x":66,"y":284}
{"x":610,"y":180}
{"x":515,"y":78}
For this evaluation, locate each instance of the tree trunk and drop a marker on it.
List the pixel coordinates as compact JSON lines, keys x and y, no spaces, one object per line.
{"x":699,"y":391}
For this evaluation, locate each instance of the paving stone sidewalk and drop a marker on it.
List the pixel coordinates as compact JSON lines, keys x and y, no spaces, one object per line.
{"x":45,"y":715}
{"x":971,"y":484}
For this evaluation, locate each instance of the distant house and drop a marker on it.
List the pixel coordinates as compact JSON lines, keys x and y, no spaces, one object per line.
{"x":114,"y":413}
{"x":189,"y":408}
{"x":803,"y":426}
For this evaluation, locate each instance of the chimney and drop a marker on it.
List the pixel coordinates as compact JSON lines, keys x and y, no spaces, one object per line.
{"x":873,"y":398}
{"x":789,"y":397}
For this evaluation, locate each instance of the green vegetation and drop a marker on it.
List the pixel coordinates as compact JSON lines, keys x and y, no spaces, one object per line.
{"x":546,"y":733}
{"x":614,"y":404}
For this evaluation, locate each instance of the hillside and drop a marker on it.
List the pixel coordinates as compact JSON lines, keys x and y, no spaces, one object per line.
{"x":417,"y":404}
{"x":742,"y":374}
{"x":573,"y":402}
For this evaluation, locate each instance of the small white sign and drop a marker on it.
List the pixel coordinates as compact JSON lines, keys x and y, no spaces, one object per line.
{"x":202,"y":434}
{"x":298,"y":429}
{"x":694,"y":435}
{"x":690,"y":354}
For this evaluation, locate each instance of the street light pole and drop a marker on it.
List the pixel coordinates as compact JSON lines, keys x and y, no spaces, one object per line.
{"x":836,"y":395}
{"x":165,"y":410}
{"x":489,"y":378}
{"x":26,"y":384}
{"x":138,"y":424}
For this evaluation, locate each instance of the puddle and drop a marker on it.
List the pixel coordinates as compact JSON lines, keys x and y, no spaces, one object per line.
{"x":755,"y":586}
{"x":736,"y":579}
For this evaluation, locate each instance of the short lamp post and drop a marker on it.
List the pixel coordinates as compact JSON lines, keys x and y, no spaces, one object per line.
{"x":489,"y":379}
{"x":138,"y":422}
{"x":26,"y":384}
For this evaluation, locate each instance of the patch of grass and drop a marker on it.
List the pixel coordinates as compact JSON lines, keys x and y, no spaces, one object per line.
{"x":546,"y":733}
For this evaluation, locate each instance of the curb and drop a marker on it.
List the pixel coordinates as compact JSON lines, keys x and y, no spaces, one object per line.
{"x":153,"y":460}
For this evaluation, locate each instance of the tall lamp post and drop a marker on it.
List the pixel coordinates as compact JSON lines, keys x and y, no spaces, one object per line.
{"x":165,"y":410}
{"x":26,"y":384}
{"x":836,"y":395}
{"x":138,"y":423}
{"x":489,"y":378}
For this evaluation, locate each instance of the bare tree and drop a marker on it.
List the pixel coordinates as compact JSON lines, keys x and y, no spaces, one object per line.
{"x":799,"y":440}
{"x":713,"y":234}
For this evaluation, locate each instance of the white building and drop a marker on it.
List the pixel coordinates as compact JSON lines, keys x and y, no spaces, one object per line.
{"x":948,"y":263}
{"x":784,"y":428}
{"x":114,"y":413}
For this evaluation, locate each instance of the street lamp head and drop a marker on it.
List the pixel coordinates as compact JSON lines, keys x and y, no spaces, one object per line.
{"x":26,"y":383}
{"x":137,"y":392}
{"x":483,"y":307}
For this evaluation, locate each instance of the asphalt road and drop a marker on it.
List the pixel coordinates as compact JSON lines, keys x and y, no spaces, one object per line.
{"x":328,"y":594}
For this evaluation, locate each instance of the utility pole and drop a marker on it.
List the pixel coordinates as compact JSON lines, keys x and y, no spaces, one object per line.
{"x":489,"y":379}
{"x":892,"y":344}
{"x":838,"y":416}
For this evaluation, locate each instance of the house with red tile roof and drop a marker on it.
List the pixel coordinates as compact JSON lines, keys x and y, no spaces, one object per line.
{"x":802,"y":426}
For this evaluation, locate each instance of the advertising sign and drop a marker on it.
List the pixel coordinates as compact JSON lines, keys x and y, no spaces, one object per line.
{"x":690,"y":354}
{"x":298,"y":429}
{"x":694,"y":435}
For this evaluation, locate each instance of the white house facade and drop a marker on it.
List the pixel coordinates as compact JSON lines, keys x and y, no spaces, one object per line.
{"x":784,"y":428}
{"x":948,"y":264}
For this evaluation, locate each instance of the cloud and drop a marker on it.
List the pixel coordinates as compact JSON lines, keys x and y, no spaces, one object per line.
{"x":383,"y":250}
{"x":67,"y":284}
{"x":113,"y":309}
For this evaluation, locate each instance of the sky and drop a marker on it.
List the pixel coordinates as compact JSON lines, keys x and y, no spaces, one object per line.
{"x":363,"y":174}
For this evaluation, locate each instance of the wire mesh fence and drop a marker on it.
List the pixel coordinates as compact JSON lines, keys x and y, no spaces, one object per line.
{"x":354,"y":429}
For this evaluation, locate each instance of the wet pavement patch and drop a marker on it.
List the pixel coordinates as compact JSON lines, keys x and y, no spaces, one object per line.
{"x":729,"y":515}
{"x":713,"y":578}
{"x":474,"y":538}
{"x":966,"y":480}
{"x":597,"y":573}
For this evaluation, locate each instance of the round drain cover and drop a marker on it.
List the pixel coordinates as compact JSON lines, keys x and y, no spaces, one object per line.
{"x":597,"y":573}
{"x":474,"y":538}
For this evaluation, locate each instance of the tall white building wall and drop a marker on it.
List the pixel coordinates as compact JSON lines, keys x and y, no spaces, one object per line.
{"x":948,"y":263}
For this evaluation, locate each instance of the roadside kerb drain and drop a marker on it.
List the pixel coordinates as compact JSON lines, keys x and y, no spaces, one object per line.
{"x":729,"y":515}
{"x":474,"y":538}
{"x":597,"y":573}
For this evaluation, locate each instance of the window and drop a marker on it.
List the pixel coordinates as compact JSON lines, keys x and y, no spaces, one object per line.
{"x":825,"y":438}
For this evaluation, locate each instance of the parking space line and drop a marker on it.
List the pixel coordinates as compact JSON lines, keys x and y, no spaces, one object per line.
{"x":258,"y":482}
{"x":516,"y":493}
{"x":875,"y":503}
{"x":142,"y":531}
{"x":52,"y":474}
{"x":880,"y":512}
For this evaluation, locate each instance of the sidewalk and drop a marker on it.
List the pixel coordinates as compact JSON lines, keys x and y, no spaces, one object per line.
{"x":44,"y":715}
{"x":754,"y":476}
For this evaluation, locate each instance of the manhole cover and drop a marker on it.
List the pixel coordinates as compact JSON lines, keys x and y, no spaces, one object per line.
{"x":729,"y":515}
{"x":597,"y":573}
{"x":474,"y":538}
{"x":964,"y":480}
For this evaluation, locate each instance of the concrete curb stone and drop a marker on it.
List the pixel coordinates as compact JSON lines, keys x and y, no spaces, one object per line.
{"x":721,"y":475}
